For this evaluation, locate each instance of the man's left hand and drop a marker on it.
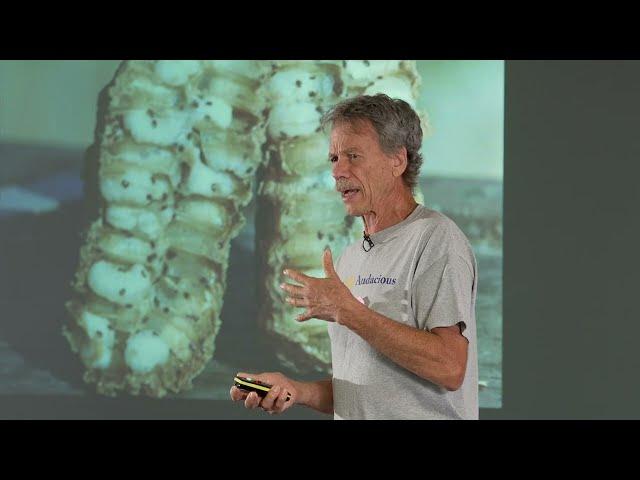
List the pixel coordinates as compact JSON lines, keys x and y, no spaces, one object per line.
{"x":323,"y":298}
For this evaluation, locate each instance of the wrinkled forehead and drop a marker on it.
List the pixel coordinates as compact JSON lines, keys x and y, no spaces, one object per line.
{"x":353,"y":133}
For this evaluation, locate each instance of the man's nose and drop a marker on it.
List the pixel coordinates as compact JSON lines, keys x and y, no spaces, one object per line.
{"x":340,"y":168}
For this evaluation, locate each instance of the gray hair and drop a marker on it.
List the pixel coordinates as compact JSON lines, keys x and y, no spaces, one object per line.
{"x":395,"y":122}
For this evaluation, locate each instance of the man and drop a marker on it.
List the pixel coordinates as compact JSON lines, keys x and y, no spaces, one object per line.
{"x":402,"y":303}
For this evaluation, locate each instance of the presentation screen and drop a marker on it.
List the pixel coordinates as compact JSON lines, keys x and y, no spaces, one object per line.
{"x":148,"y":209}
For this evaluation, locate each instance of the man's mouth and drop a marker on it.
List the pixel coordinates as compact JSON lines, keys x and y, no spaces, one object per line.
{"x":350,"y":193}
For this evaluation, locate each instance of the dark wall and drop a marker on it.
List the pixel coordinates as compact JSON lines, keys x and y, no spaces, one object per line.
{"x":571,"y":256}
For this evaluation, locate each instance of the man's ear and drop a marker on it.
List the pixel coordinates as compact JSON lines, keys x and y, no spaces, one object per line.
{"x":399,"y":162}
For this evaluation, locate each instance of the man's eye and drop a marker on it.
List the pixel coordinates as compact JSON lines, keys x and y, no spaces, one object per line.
{"x":352,"y":156}
{"x":333,"y":158}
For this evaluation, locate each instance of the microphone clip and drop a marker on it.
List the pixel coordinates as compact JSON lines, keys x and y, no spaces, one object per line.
{"x":368,"y":241}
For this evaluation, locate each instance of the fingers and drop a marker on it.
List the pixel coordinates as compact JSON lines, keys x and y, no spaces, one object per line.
{"x":276,"y":400}
{"x":268,"y":401}
{"x":297,"y":276}
{"x":295,"y":291}
{"x":298,"y":302}
{"x":237,"y":394}
{"x":327,"y":261}
{"x":306,"y":315}
{"x":252,"y":401}
{"x":281,"y":402}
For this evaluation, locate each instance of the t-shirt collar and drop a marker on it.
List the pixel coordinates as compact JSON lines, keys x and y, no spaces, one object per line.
{"x":385,"y":234}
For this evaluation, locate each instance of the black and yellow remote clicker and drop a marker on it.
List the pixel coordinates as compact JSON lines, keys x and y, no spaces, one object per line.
{"x":252,"y":385}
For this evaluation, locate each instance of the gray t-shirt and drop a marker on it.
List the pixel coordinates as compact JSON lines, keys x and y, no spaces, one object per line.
{"x":422,"y":273}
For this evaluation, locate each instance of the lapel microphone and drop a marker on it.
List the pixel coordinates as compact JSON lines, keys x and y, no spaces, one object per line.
{"x":367,"y":239}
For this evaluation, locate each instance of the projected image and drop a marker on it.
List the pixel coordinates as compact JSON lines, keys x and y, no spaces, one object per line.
{"x":148,"y":209}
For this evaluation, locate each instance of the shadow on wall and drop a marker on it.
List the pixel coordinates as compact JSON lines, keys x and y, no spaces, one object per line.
{"x":37,"y":250}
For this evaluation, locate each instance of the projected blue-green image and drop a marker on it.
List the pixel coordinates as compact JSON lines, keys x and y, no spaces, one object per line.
{"x":148,"y":209}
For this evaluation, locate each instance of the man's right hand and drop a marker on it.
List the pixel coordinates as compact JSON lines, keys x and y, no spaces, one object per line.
{"x":275,"y":400}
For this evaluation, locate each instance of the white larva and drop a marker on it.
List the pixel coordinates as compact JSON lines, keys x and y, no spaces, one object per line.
{"x":117,"y":284}
{"x":176,"y":72}
{"x":145,"y":351}
{"x":98,"y":350}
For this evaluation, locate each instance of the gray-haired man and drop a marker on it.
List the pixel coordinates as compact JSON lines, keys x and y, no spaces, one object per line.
{"x":402,"y":302}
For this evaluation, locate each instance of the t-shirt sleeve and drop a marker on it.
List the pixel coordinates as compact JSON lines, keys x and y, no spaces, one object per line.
{"x":443,"y":292}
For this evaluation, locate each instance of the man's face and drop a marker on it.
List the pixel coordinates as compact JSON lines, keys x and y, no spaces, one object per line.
{"x":362,"y":171}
